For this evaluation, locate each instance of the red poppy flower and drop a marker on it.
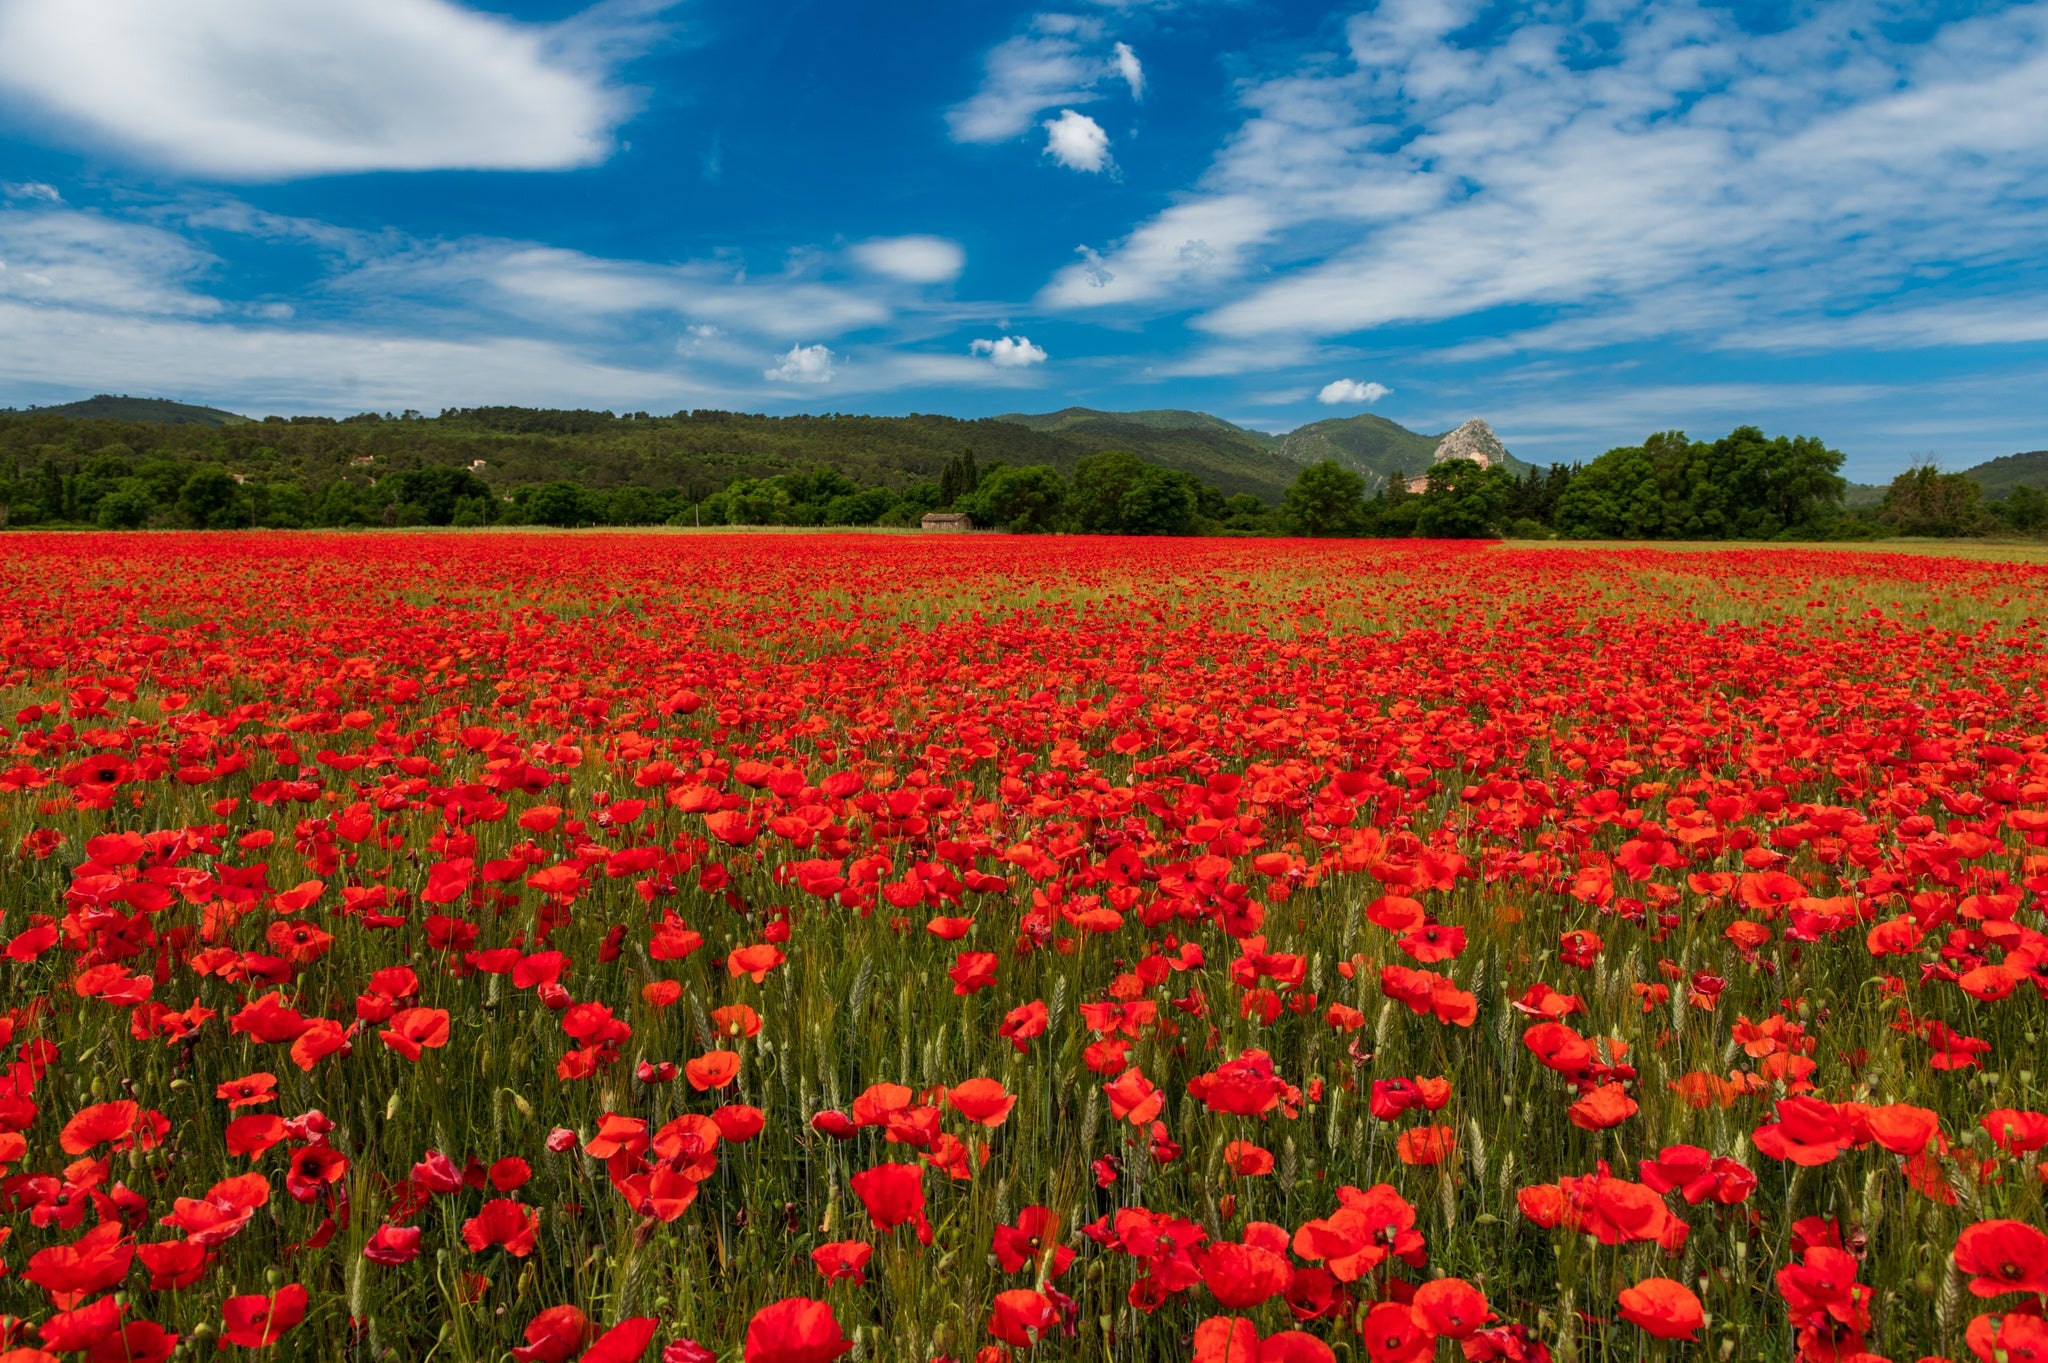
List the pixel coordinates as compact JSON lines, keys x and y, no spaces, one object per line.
{"x":795,"y":1330}
{"x":713,"y":1070}
{"x":553,"y":1336}
{"x":894,"y":1194}
{"x":94,"y":1262}
{"x":1134,"y":1098}
{"x":1427,"y":1145}
{"x":503,"y":1223}
{"x":2014,"y":1338}
{"x":2004,"y":1256}
{"x":846,"y":1259}
{"x":86,"y":1327}
{"x":416,"y":1029}
{"x":1243,"y":1276}
{"x":1807,"y":1132}
{"x":1247,"y":1160}
{"x":98,"y":1124}
{"x":173,"y":1264}
{"x":1022,"y":1317}
{"x":1662,"y":1309}
{"x":1393,"y":1335}
{"x":313,"y":1168}
{"x":393,"y":1245}
{"x":981,"y":1100}
{"x":625,"y":1342}
{"x":1450,"y":1307}
{"x":1606,"y":1106}
{"x":1023,"y":1023}
{"x":258,"y":1321}
{"x":754,"y":962}
{"x":973,"y":972}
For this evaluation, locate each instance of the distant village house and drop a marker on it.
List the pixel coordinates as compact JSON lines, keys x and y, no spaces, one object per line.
{"x":946,"y":520}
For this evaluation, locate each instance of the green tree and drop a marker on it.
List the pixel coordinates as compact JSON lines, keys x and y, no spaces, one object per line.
{"x":860,"y":508}
{"x":99,"y":475}
{"x":1245,"y":514}
{"x":1326,"y":499}
{"x":750,"y":501}
{"x":1160,"y":502}
{"x":959,"y":478}
{"x":1095,"y":498}
{"x":558,"y":504}
{"x":210,"y":500}
{"x":1025,"y":500}
{"x":128,"y":506}
{"x":1925,"y":501}
{"x":2024,"y":508}
{"x":1743,"y":486}
{"x":435,"y":489}
{"x":1463,"y":500}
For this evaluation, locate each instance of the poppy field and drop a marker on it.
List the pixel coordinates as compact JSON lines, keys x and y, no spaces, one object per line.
{"x":782,"y":948}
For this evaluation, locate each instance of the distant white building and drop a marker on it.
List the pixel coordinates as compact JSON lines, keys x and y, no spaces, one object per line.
{"x":946,"y":520}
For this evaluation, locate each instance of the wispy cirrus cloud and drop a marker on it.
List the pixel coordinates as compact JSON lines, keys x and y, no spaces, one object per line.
{"x":1687,"y":177}
{"x":144,"y":300}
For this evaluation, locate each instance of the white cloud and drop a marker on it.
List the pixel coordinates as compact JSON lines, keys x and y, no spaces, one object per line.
{"x":1676,"y":174}
{"x":70,"y":352}
{"x":566,"y":288}
{"x":1127,"y":66}
{"x":84,"y":260}
{"x":803,"y":364}
{"x":273,"y":89}
{"x":1191,"y":245}
{"x":913,"y":259}
{"x":1010,"y":352}
{"x":1351,"y":392}
{"x":98,"y":303}
{"x":1059,"y":61}
{"x":1076,"y":141}
{"x":33,"y":190}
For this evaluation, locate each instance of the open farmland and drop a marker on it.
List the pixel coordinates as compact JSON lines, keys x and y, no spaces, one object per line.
{"x":781,"y":947}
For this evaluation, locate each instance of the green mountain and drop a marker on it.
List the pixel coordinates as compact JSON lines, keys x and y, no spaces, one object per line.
{"x":1998,"y":477}
{"x":1221,"y":454}
{"x":163,"y":411}
{"x":1158,"y":419}
{"x":1370,"y":444}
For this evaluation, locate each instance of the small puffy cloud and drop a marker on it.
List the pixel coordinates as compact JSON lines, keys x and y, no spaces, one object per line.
{"x":1351,"y":392}
{"x":913,"y":259}
{"x":1059,"y":61}
{"x":1127,"y":66}
{"x":274,"y":89}
{"x":1010,"y":352}
{"x":803,"y":364}
{"x":1077,"y":142}
{"x":33,"y":190}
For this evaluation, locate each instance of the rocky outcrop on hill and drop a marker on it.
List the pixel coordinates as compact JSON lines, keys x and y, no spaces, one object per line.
{"x":1476,"y":441}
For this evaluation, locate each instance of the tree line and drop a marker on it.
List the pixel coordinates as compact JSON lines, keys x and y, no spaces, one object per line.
{"x":407,"y":471}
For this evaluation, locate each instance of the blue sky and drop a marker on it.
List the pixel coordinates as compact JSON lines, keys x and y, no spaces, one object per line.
{"x":1583,"y":222}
